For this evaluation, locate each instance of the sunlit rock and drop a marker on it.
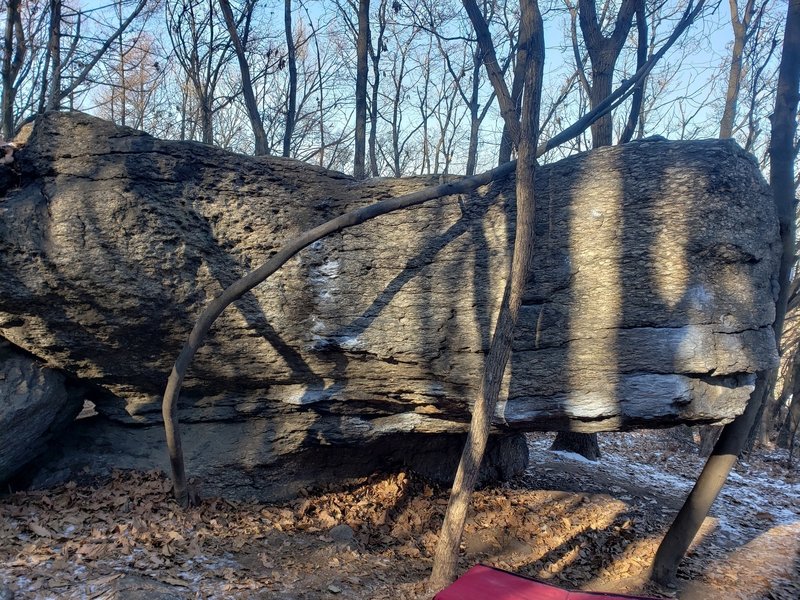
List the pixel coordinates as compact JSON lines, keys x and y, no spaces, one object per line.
{"x":650,"y":305}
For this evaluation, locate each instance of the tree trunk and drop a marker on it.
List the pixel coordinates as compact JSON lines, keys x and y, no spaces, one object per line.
{"x":12,"y":63}
{"x":261,"y":146}
{"x":691,"y":516}
{"x":790,"y":424}
{"x":788,"y":432}
{"x":603,"y":128}
{"x":584,"y":444}
{"x":320,"y":104}
{"x":375,"y":56}
{"x":207,"y":120}
{"x":54,"y":51}
{"x":641,"y":57}
{"x":474,"y":111}
{"x":122,"y":118}
{"x":373,"y":117}
{"x":603,"y":53}
{"x":362,"y":44}
{"x":531,"y":35}
{"x":735,"y":72}
{"x":506,"y":146}
{"x":291,"y":59}
{"x":734,"y":436}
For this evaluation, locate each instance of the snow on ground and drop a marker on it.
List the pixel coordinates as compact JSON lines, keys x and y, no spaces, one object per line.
{"x":754,"y":487}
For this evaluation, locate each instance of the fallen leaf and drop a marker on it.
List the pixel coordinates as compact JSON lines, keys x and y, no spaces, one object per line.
{"x":39,"y":530}
{"x":173,"y":581}
{"x":104,"y":580}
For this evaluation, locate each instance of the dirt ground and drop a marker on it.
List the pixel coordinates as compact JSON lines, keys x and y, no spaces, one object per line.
{"x":592,"y":526}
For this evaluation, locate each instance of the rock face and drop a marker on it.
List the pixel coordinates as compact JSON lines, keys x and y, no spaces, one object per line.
{"x":651,"y":302}
{"x":36,"y":404}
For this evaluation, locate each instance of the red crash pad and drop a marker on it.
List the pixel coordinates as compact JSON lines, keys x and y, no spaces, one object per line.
{"x":488,"y":583}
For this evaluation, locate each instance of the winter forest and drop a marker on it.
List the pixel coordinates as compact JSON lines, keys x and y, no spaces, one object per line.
{"x":172,"y":69}
{"x":345,"y":297}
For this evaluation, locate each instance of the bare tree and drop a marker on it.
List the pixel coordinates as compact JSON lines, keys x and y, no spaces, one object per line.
{"x":787,"y":433}
{"x":54,"y":55}
{"x":14,"y":51}
{"x":132,"y":92}
{"x":22,"y":91}
{"x":362,"y":45}
{"x":464,"y":61}
{"x":324,"y":98}
{"x":375,"y":52}
{"x":291,"y":59}
{"x":741,"y":25}
{"x":634,"y":114}
{"x":203,"y":51}
{"x":603,"y":50}
{"x":261,"y":146}
{"x":397,"y":155}
{"x":75,"y":62}
{"x":523,"y":127}
{"x":734,"y":436}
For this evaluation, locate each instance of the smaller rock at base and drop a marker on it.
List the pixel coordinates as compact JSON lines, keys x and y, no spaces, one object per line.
{"x":342,"y":534}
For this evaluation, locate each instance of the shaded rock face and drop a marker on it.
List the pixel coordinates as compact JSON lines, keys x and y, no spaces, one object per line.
{"x":245,"y":460}
{"x":36,"y":405}
{"x":650,"y":304}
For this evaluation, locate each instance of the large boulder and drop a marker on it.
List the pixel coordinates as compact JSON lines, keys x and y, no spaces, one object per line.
{"x":651,"y":303}
{"x":36,"y":404}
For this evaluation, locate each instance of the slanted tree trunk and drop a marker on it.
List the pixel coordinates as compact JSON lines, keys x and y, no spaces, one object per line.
{"x":524,"y":131}
{"x":261,"y":145}
{"x":709,"y":434}
{"x":734,"y":436}
{"x":362,"y":45}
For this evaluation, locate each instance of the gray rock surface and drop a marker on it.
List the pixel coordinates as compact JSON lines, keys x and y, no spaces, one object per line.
{"x":651,"y":302}
{"x":255,"y":460}
{"x":36,"y":405}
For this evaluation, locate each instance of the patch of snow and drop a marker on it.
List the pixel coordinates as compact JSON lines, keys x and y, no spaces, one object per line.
{"x":751,"y":494}
{"x":329,"y":269}
{"x":350,"y":343}
{"x":572,"y":456}
{"x":317,"y":326}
